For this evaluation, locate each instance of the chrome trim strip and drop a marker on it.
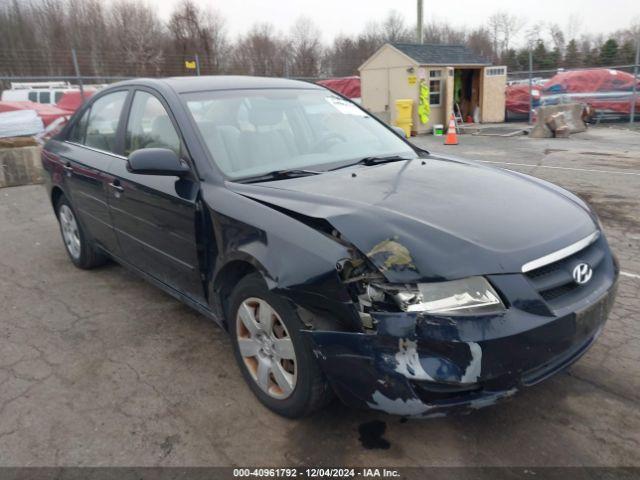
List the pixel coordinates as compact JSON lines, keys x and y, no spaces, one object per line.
{"x":97,"y":150}
{"x":560,"y":254}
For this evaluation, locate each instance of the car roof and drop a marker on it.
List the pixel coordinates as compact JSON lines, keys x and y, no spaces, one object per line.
{"x":218,"y":82}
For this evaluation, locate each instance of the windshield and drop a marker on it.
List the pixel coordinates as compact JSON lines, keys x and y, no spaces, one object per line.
{"x":254,"y":132}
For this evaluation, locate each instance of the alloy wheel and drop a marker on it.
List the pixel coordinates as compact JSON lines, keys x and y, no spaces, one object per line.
{"x":70,"y":233}
{"x":266,"y":348}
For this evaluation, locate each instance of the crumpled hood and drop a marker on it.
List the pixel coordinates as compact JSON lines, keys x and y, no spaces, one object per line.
{"x":435,"y":219}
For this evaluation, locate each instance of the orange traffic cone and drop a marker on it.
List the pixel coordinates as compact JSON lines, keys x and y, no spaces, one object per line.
{"x":452,"y":136}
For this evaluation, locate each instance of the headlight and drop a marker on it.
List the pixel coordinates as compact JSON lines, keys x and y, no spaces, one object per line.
{"x":472,"y":295}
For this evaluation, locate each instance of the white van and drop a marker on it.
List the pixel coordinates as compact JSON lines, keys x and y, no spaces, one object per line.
{"x":39,"y":95}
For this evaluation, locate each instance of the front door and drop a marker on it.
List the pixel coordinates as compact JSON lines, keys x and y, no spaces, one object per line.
{"x":155,"y":216}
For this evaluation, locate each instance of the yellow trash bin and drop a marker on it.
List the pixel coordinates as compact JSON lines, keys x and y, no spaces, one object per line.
{"x":404,"y":115}
{"x":404,"y":110}
{"x":406,"y":126}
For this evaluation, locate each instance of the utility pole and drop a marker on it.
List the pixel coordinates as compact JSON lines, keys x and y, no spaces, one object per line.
{"x":530,"y":86}
{"x":76,"y":67}
{"x":419,"y":24}
{"x":634,"y":96}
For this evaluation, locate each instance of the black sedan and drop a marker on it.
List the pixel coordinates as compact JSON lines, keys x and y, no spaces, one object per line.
{"x":341,"y":258}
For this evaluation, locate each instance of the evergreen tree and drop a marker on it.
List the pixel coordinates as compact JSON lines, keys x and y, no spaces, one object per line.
{"x":608,"y":53}
{"x":627,"y":53}
{"x":541,"y":58}
{"x":554,"y":58}
{"x":523,"y":59}
{"x":572,"y":57}
{"x":591,"y":57}
{"x":510,"y":59}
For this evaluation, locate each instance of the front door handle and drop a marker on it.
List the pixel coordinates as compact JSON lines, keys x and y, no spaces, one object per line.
{"x":117,"y":187}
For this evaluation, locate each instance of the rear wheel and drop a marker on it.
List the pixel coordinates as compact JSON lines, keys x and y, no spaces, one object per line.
{"x":275,"y":359}
{"x":81,"y":251}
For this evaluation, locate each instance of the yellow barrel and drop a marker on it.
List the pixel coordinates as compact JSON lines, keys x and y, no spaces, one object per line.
{"x":404,"y":110}
{"x":406,"y":126}
{"x":404,"y":115}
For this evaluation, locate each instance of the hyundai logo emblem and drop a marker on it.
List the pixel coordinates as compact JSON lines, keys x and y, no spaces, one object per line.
{"x":582,"y":273}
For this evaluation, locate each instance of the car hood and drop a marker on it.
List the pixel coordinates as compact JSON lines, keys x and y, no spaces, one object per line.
{"x":435,"y":218}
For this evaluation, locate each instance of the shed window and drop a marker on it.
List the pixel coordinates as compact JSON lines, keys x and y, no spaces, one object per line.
{"x":495,"y":71}
{"x":434,"y":93}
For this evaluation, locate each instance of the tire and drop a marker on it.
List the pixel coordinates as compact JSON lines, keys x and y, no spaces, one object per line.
{"x":310,"y":390}
{"x":78,"y":246}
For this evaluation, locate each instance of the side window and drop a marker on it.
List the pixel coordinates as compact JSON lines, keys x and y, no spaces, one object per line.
{"x":102,"y":125}
{"x":80,"y":128}
{"x":33,"y":97}
{"x":59,"y":96}
{"x":45,"y":97}
{"x":149,"y":125}
{"x":434,"y":93}
{"x":434,"y":87}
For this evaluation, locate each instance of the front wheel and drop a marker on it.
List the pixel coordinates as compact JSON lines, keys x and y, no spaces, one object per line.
{"x":276,"y":361}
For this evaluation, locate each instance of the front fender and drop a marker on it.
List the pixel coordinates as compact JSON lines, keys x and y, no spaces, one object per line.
{"x":295,"y":259}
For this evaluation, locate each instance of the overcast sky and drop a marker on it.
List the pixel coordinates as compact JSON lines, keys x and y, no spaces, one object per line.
{"x":350,"y":16}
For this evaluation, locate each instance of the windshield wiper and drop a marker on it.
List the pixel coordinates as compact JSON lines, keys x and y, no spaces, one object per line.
{"x":375,"y":161}
{"x":280,"y":174}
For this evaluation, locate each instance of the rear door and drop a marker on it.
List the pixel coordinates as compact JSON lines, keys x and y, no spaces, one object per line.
{"x":155,"y":216}
{"x":90,"y":148}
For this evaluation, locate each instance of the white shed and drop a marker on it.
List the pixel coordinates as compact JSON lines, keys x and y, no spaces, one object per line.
{"x":455,"y":75}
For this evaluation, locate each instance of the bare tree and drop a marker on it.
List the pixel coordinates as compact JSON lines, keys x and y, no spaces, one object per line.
{"x":305,"y":49}
{"x":260,"y":52}
{"x":394,"y":29}
{"x":89,"y":33}
{"x":479,"y":40}
{"x":195,"y":30}
{"x":503,"y":27}
{"x":574,"y":25}
{"x":439,"y":32}
{"x":219,"y":42}
{"x":557,"y":37}
{"x":347,"y":53}
{"x":136,"y":43}
{"x":126,"y":37}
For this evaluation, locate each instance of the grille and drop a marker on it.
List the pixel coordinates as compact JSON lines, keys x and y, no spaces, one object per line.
{"x":554,"y":282}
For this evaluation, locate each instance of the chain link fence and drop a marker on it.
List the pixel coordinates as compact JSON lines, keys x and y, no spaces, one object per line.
{"x":611,"y":92}
{"x":82,"y":67}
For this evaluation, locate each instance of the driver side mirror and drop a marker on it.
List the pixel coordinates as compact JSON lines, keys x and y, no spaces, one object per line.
{"x":156,"y":161}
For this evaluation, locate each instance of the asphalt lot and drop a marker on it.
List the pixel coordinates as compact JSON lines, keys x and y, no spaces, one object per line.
{"x":100,"y":368}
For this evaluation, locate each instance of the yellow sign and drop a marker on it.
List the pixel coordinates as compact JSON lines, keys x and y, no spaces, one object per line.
{"x":412,"y":79}
{"x":191,"y":65}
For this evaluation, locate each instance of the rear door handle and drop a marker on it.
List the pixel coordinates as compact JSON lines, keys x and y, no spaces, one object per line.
{"x":117,"y":187}
{"x":67,"y":167}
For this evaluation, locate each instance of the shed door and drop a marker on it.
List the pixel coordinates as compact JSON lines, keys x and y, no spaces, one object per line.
{"x":493,"y":94}
{"x":375,"y":92}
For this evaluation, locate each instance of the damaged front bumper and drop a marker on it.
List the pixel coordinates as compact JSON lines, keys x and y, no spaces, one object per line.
{"x":421,"y":365}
